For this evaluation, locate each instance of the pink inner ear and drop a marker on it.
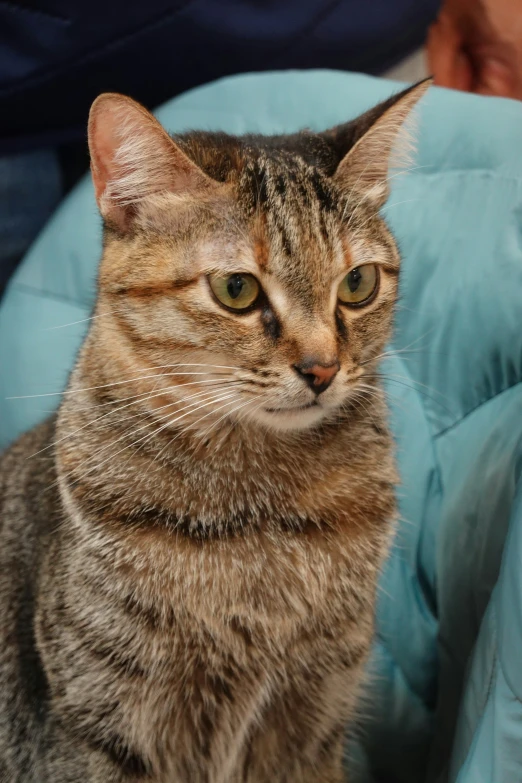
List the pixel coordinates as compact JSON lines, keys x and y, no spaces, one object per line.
{"x":110,"y":115}
{"x":103,"y":148}
{"x":133,"y":158}
{"x":123,"y":140}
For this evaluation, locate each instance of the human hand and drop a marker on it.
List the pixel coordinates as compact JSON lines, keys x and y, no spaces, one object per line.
{"x":476,"y":46}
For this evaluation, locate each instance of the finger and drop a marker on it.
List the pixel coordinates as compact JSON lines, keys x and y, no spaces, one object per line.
{"x":463,"y":72}
{"x":447,"y":61}
{"x":496,"y":78}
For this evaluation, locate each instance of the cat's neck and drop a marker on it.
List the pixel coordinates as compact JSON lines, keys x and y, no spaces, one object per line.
{"x":226,"y":471}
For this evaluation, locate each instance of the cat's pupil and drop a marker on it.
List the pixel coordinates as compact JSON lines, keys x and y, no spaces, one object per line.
{"x":354,"y":279}
{"x":235,"y":286}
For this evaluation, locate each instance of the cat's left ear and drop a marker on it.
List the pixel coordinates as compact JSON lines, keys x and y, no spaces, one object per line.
{"x":375,"y":142}
{"x":133,"y":157}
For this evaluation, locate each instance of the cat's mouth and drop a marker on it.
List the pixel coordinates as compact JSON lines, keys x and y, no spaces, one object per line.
{"x":296,"y":409}
{"x":295,"y":417}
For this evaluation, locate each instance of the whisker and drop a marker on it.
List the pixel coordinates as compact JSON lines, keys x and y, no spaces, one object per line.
{"x":376,"y":392}
{"x":412,"y":168}
{"x":112,"y":443}
{"x":171,"y":387}
{"x":131,"y":380}
{"x":83,"y":320}
{"x":228,"y":413}
{"x":386,"y":392}
{"x":171,"y":420}
{"x":398,"y":203}
{"x":421,"y":391}
{"x":195,"y":364}
{"x":95,"y":456}
{"x":211,"y":401}
{"x":196,"y":423}
{"x":360,"y":398}
{"x":105,"y":385}
{"x":146,"y":397}
{"x":407,"y":378}
{"x":396,"y":351}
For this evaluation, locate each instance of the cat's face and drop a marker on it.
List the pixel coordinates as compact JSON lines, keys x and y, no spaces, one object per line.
{"x":257,"y":281}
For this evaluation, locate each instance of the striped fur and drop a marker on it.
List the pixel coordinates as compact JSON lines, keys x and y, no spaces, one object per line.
{"x":188,"y":567}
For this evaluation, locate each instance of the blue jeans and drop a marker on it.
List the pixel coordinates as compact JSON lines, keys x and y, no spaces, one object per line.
{"x":30,"y":190}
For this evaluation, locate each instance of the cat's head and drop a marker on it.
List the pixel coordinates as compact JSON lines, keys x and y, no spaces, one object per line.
{"x":252,"y":275}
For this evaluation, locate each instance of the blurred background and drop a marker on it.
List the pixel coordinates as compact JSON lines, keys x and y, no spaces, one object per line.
{"x":56,"y":56}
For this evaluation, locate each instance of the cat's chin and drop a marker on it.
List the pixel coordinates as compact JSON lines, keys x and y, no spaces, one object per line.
{"x":290,"y":419}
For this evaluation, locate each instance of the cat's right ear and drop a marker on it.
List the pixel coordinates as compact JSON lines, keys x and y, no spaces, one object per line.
{"x":133,"y":157}
{"x":369,"y":146}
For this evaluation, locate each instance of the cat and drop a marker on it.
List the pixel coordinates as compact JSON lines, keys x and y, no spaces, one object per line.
{"x":190,"y":549}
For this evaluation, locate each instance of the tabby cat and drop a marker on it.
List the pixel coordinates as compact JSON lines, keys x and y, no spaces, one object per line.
{"x":189,"y":550}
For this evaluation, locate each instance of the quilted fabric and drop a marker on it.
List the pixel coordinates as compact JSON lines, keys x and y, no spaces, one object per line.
{"x":444,"y":700}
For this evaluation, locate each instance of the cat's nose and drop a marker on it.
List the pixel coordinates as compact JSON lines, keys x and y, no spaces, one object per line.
{"x":318,"y":376}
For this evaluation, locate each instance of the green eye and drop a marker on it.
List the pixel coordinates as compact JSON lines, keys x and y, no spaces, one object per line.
{"x":236,"y":291}
{"x":359,"y":285}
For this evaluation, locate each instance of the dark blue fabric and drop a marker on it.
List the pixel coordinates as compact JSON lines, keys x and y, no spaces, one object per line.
{"x":57,"y":55}
{"x":30,"y":190}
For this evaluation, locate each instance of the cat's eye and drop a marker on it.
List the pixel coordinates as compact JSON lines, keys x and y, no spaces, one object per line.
{"x":359,"y":286}
{"x":237,"y":291}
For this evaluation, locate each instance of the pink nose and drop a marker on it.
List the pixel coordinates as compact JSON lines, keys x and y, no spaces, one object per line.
{"x":317,"y":376}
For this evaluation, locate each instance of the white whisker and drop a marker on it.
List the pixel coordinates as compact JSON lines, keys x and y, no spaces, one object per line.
{"x":83,"y":320}
{"x":195,"y":424}
{"x":397,"y":203}
{"x":228,"y":413}
{"x":171,"y":420}
{"x":146,"y":397}
{"x":397,"y":351}
{"x":106,"y":385}
{"x":131,"y":380}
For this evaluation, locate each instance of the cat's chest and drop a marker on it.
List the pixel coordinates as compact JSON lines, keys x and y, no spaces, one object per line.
{"x":221,"y":496}
{"x":276,"y":577}
{"x":175,"y":609}
{"x":252,"y":542}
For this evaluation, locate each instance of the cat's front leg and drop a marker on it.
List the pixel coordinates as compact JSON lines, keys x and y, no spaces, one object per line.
{"x":327,"y":767}
{"x":330,"y":772}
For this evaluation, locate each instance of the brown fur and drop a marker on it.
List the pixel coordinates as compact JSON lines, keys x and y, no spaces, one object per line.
{"x":188,"y":578}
